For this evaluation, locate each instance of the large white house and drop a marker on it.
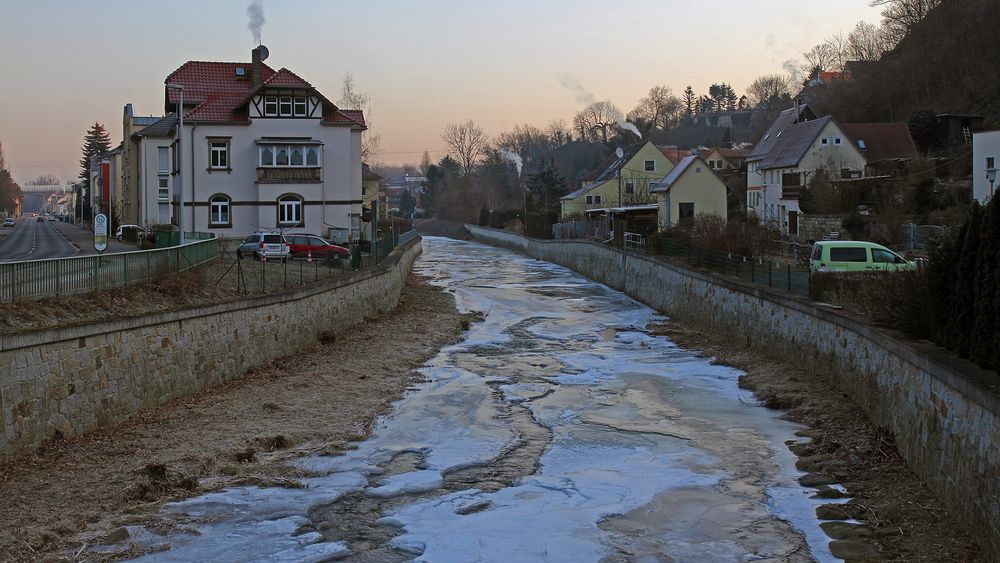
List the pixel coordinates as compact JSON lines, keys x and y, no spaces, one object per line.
{"x":795,"y":148}
{"x":260,"y":150}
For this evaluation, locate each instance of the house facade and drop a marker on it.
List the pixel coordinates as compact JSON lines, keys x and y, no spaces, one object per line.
{"x":639,"y":168}
{"x":793,"y":152}
{"x":259,"y":150}
{"x":985,"y":156}
{"x":691,"y":188}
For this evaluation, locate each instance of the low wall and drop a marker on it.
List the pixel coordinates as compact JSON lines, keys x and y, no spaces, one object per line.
{"x":72,"y":380}
{"x":943,"y":412}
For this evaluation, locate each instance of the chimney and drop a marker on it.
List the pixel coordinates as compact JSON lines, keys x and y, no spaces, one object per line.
{"x":255,"y":59}
{"x":797,"y":110}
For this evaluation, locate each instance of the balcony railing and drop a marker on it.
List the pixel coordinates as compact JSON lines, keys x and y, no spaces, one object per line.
{"x":289,"y":175}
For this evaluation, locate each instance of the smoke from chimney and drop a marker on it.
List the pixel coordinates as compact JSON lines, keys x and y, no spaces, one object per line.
{"x":628,"y":126}
{"x":513,"y":158}
{"x":255,"y":17}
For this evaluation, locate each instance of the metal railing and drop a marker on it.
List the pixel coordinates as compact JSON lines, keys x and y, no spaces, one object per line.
{"x":755,"y":270}
{"x":34,"y":279}
{"x":634,"y":241}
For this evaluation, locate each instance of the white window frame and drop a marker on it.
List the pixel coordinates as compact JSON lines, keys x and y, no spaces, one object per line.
{"x":218,"y":155}
{"x":590,"y":199}
{"x":649,"y":165}
{"x":290,"y":210}
{"x":163,"y":159}
{"x":218,"y":205}
{"x":273,"y":102}
{"x":597,"y":199}
{"x":630,"y":188}
{"x":305,"y":148}
{"x":163,"y":187}
{"x":300,"y":102}
{"x":282,"y":102}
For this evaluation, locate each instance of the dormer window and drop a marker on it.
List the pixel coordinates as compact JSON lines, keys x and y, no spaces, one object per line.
{"x":270,"y":106}
{"x":285,"y":106}
{"x":300,"y":107}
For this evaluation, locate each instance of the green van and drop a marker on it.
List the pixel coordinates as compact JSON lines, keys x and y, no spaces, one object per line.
{"x":855,"y":256}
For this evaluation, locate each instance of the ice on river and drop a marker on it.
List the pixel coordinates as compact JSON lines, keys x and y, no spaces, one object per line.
{"x":652,"y":450}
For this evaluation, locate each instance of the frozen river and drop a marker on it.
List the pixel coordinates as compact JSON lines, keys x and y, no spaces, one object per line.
{"x":559,"y":429}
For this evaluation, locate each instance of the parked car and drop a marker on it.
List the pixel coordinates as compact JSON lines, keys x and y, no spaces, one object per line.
{"x":121,"y":231}
{"x":9,"y":222}
{"x":855,"y":256}
{"x":264,"y":245}
{"x":302,"y":245}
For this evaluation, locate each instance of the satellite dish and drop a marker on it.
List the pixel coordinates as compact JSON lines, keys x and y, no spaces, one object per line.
{"x":619,"y":152}
{"x":263,"y":52}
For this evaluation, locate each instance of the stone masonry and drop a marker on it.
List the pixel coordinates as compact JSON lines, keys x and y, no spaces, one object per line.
{"x":68,"y":381}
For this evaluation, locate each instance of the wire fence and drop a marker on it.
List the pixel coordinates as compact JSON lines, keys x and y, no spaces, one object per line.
{"x":35,"y":279}
{"x":253,"y":276}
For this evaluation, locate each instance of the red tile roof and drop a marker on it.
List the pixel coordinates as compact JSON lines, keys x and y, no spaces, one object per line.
{"x":882,"y":141}
{"x":346,"y":117}
{"x":285,"y":78}
{"x":214,"y":89}
{"x":674,"y":154}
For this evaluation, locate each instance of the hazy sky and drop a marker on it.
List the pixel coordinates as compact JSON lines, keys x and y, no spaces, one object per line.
{"x":425,"y":63}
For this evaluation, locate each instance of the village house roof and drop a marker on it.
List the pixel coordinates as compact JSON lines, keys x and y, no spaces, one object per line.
{"x":791,"y":143}
{"x":162,"y":127}
{"x":784,"y":119}
{"x":668,"y":181}
{"x":882,"y":141}
{"x":674,"y":154}
{"x":220,"y":92}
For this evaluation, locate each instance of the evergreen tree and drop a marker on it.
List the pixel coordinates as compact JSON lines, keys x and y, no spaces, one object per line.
{"x":96,"y":142}
{"x":984,"y":326}
{"x":548,"y":185}
{"x":689,"y":100}
{"x":962,"y":312}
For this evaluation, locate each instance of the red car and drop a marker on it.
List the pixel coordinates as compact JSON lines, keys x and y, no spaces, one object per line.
{"x":304,"y":245}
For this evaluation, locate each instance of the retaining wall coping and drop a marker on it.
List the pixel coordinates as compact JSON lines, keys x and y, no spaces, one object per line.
{"x":39,"y":337}
{"x":976,"y":383}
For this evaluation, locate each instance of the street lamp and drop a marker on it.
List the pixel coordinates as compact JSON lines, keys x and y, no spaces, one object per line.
{"x":179,"y":178}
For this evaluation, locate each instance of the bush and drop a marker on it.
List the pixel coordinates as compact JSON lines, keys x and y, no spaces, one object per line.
{"x":855,"y":225}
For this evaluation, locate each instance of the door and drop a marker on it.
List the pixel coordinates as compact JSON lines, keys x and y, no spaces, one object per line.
{"x":793,"y":223}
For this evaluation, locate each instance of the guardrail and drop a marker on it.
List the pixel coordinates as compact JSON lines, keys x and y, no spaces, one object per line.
{"x":34,"y":279}
{"x":754,"y":270}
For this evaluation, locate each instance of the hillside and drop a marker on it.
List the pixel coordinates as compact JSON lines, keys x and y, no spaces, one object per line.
{"x":948,"y":63}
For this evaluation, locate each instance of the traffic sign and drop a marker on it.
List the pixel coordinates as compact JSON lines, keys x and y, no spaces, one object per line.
{"x":100,"y":232}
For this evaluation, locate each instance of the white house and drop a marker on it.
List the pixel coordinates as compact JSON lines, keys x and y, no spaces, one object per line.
{"x":985,"y":156}
{"x":260,"y":150}
{"x":788,"y":157}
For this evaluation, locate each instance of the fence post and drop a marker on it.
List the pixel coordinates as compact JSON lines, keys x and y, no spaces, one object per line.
{"x":124,"y":269}
{"x":789,"y":267}
{"x":58,"y":277}
{"x":753,"y":268}
{"x":769,"y":274}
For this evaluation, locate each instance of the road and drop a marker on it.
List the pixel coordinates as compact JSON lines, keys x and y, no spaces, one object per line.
{"x":34,"y":240}
{"x":562,"y":428}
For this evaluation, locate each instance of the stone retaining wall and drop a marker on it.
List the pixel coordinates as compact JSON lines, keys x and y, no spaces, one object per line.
{"x":72,"y":380}
{"x":943,"y":412}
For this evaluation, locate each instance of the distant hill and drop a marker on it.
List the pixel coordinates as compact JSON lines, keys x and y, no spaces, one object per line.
{"x":948,"y":63}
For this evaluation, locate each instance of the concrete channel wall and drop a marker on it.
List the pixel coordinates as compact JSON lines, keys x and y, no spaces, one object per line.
{"x":72,"y":380}
{"x":943,"y":412}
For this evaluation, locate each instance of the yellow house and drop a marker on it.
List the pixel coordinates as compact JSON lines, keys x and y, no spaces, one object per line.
{"x":691,"y":188}
{"x":620,"y":182}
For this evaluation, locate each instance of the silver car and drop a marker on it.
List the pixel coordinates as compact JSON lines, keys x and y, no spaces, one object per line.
{"x":264,"y":245}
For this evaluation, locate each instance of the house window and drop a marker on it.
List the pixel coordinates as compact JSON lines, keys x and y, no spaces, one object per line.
{"x":163,"y":188}
{"x":649,"y":165}
{"x":300,"y":107}
{"x":836,"y":141}
{"x":298,"y":156}
{"x":597,"y":199}
{"x":825,"y":142}
{"x":630,"y":187}
{"x":270,"y":106}
{"x":711,"y":164}
{"x":685,"y":210}
{"x":219,"y":155}
{"x":290,"y":210}
{"x":285,"y":106}
{"x":163,"y":159}
{"x":990,"y":161}
{"x":219,"y":211}
{"x":590,"y":199}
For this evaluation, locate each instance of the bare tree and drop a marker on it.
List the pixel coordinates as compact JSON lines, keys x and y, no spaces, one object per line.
{"x":45,"y":180}
{"x":867,"y":42}
{"x":597,"y":120}
{"x":350,"y":98}
{"x":821,"y":56}
{"x":900,"y":16}
{"x":466,"y":143}
{"x":527,"y":141}
{"x":769,"y":91}
{"x":558,"y":132}
{"x":660,"y":109}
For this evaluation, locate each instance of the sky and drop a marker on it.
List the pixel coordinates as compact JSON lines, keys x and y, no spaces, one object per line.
{"x":425,"y":63}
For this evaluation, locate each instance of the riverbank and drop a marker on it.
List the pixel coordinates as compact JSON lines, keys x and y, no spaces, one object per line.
{"x":322,"y":399}
{"x":898,"y":517}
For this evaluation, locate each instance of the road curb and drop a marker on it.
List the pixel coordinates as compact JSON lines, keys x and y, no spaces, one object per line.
{"x":63,"y":235}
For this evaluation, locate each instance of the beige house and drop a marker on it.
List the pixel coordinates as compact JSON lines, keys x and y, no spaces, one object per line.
{"x":690,"y":189}
{"x":620,"y":182}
